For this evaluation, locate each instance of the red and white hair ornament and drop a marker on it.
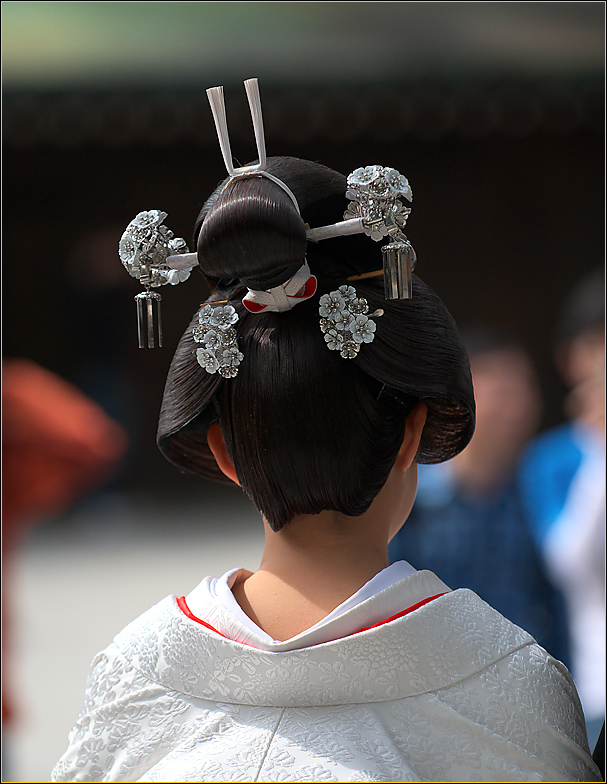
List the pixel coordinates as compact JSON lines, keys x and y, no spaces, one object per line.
{"x":285,"y":296}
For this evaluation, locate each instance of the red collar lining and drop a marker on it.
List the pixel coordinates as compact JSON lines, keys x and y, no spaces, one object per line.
{"x":183,"y":606}
{"x":403,"y":612}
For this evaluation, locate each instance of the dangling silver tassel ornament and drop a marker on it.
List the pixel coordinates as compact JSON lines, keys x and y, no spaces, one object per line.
{"x":399,"y":262}
{"x":152,"y":254}
{"x":149,"y":320}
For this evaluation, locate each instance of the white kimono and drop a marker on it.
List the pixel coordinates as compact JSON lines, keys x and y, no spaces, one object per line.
{"x":450,"y":691}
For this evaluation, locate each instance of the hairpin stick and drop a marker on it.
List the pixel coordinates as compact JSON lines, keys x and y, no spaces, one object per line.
{"x":218,"y":108}
{"x":181,"y":261}
{"x":217,"y":102}
{"x":252,"y":88}
{"x":215,"y":302}
{"x":374,"y":274}
{"x":341,"y":229}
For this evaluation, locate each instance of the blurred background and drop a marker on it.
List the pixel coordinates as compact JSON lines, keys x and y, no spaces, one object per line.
{"x":493,"y":111}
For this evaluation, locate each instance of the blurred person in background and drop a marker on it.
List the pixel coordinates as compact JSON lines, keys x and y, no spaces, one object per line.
{"x":468,"y":523}
{"x":58,"y":446}
{"x":563,"y":479}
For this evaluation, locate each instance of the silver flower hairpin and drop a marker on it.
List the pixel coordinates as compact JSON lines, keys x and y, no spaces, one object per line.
{"x":144,"y":248}
{"x":375,"y":193}
{"x":344,"y":321}
{"x":217,"y":333}
{"x":376,"y":209}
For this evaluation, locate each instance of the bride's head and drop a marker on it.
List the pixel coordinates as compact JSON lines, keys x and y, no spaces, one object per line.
{"x":306,"y":428}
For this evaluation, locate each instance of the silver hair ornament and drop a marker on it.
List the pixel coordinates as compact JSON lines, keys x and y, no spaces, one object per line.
{"x":144,"y":249}
{"x":345,"y":321}
{"x":377,"y":210}
{"x":216,"y":332}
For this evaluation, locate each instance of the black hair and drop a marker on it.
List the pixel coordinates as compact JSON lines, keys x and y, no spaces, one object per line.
{"x":306,"y":429}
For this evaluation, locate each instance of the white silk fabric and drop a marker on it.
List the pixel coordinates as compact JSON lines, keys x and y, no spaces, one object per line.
{"x":385,"y":606}
{"x":451,"y":691}
{"x":281,"y":298}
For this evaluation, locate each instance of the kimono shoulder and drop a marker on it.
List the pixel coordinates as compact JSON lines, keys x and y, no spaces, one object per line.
{"x":450,"y":692}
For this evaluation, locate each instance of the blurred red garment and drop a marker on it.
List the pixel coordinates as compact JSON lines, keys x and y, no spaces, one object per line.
{"x":58,"y":445}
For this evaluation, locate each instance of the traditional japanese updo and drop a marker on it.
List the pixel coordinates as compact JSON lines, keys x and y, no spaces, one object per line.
{"x":306,"y":429}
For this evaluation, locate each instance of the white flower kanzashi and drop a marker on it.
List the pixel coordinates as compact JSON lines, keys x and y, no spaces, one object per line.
{"x":232,"y":357}
{"x":211,"y":339}
{"x":214,"y":329}
{"x":178,"y":245}
{"x":330,"y":304}
{"x":224,"y":317}
{"x":362,"y":329}
{"x":228,"y":371}
{"x":334,"y":339}
{"x":344,"y":322}
{"x":347,"y":292}
{"x":207,"y":360}
{"x":145,"y":246}
{"x":148,"y":218}
{"x":359,"y":305}
{"x":228,"y":336}
{"x":375,"y":194}
{"x":349,"y":349}
{"x":382,"y":182}
{"x":127,"y":250}
{"x":365,"y":175}
{"x":398,"y":183}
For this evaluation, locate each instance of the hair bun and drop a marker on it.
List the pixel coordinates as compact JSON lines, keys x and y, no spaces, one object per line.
{"x":252,"y":232}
